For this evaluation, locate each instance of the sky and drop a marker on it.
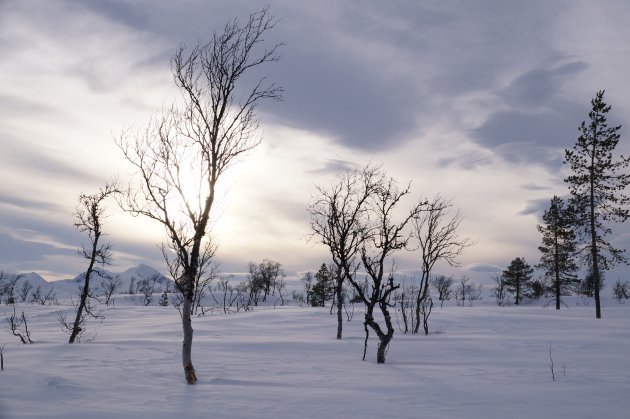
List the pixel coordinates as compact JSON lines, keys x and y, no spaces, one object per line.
{"x":473,"y":100}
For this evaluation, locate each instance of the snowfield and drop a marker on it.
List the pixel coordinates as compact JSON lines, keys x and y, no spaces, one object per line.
{"x":478,"y":362}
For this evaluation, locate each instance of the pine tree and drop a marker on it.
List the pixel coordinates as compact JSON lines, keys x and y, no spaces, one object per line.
{"x":164,"y":298}
{"x":558,"y":248}
{"x":323,"y":288}
{"x":517,"y":278}
{"x":597,"y":187}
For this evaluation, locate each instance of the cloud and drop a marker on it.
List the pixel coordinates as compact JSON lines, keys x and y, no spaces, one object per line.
{"x":29,"y":158}
{"x":7,"y":198}
{"x":15,"y":106}
{"x":536,"y":207}
{"x":335,"y":166}
{"x":482,"y":267}
{"x":539,"y":121}
{"x":14,"y":250}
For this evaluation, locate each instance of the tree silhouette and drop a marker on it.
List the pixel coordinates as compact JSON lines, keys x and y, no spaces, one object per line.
{"x":597,"y":187}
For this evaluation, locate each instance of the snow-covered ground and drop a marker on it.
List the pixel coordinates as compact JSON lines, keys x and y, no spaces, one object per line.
{"x":478,"y":362}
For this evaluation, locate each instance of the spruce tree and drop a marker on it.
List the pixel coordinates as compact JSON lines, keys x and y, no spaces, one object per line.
{"x":517,"y":278}
{"x":597,"y":187}
{"x":558,"y":248}
{"x":323,"y":289}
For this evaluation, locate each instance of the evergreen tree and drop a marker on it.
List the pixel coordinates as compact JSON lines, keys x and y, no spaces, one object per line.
{"x":323,"y":288}
{"x":517,"y":278}
{"x":558,"y":248}
{"x":597,"y":186}
{"x":164,"y":298}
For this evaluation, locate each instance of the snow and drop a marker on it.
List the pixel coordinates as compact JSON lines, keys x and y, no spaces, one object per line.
{"x":477,"y":362}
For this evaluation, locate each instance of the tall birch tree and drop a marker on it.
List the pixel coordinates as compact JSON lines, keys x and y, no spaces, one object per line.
{"x":184,"y":152}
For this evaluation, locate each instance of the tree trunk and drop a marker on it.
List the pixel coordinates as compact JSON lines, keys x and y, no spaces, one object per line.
{"x":403,"y":311}
{"x":422,"y":294}
{"x":189,"y":370}
{"x":596,"y":279}
{"x":384,"y":338}
{"x":382,"y":348}
{"x":339,"y":292}
{"x":557,"y":284}
{"x":76,"y":327}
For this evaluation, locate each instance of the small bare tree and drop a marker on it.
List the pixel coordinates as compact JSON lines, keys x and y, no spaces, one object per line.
{"x":621,"y":290}
{"x":3,"y":285}
{"x":264,"y":278}
{"x":442,"y":285}
{"x":467,"y":291}
{"x":89,"y":215}
{"x":146,"y":287}
{"x":19,"y":326}
{"x":9,"y":288}
{"x":406,"y":303}
{"x":229,"y":295}
{"x":500,"y":291}
{"x":307,"y":280}
{"x":184,"y":152}
{"x":40,"y":297}
{"x":436,"y":232}
{"x":110,"y":286}
{"x":25,"y":290}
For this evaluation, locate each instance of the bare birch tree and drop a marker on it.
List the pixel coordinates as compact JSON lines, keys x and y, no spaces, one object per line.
{"x":356,"y":220}
{"x":384,"y":236}
{"x":436,"y":232}
{"x":184,"y":152}
{"x":338,"y":221}
{"x":89,"y":215}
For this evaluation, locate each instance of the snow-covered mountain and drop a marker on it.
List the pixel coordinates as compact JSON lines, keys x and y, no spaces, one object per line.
{"x":126,"y":280}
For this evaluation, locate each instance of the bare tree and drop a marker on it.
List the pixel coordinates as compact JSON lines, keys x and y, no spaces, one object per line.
{"x":467,"y":291}
{"x":338,"y":217}
{"x":40,"y":297}
{"x":19,"y":326}
{"x":442,"y":284}
{"x":110,"y":286}
{"x":9,"y":288}
{"x":383,"y":238}
{"x":230,"y":296}
{"x":621,"y":290}
{"x":89,"y":215}
{"x":3,"y":285}
{"x":132,"y":286}
{"x":307,"y":280}
{"x":146,"y":287}
{"x":436,"y":231}
{"x":500,"y":291}
{"x":406,"y":303}
{"x":184,"y":152}
{"x":25,"y":290}
{"x":264,"y":279}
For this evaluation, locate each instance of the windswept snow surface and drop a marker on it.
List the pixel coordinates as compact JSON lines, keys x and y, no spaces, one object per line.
{"x":477,"y":362}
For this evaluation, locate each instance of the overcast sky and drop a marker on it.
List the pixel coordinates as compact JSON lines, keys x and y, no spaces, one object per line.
{"x":475,"y":100}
